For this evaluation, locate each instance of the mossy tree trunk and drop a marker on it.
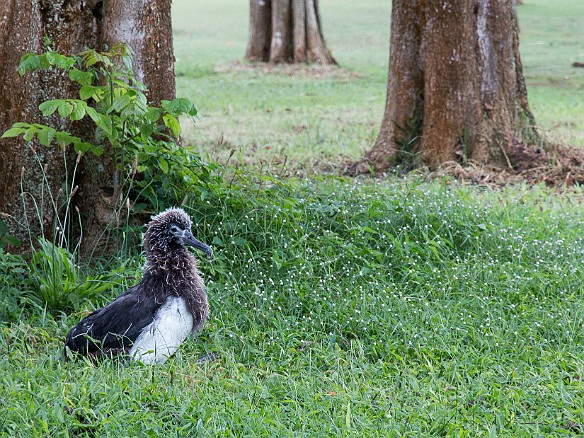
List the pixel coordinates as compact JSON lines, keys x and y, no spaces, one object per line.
{"x":455,"y":85}
{"x":286,"y":31}
{"x":35,"y":182}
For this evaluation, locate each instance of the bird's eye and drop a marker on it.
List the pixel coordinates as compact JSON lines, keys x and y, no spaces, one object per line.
{"x":174,"y":229}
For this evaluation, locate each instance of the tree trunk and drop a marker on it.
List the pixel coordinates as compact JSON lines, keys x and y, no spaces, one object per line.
{"x":281,"y":45}
{"x":455,"y":85}
{"x":146,"y":26}
{"x":286,"y":31}
{"x":299,"y":31}
{"x":260,"y":31}
{"x":33,"y":178}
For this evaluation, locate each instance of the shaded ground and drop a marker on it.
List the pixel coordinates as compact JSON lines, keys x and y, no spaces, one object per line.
{"x":306,"y":71}
{"x":555,"y":166}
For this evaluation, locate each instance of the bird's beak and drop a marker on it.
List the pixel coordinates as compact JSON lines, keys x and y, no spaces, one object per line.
{"x":189,"y":239}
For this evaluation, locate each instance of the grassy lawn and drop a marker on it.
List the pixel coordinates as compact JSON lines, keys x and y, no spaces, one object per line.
{"x":550,"y":41}
{"x":339,"y":307}
{"x":312,"y":121}
{"x":291,"y":115}
{"x":344,"y":308}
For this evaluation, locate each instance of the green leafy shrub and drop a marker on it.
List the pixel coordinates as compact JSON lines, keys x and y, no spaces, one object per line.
{"x":5,"y":238}
{"x":15,"y":285}
{"x":142,"y":138}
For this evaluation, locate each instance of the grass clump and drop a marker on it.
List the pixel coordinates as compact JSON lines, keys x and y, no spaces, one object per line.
{"x":58,"y":281}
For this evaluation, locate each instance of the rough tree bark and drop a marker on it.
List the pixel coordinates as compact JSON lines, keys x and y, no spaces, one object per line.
{"x":286,"y":31}
{"x":32,"y":175}
{"x":455,"y":85}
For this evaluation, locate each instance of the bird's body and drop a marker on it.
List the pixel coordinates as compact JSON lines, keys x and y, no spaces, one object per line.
{"x":150,"y":320}
{"x":160,"y":339}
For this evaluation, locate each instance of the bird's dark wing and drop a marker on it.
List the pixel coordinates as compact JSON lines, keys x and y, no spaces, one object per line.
{"x":116,"y":325}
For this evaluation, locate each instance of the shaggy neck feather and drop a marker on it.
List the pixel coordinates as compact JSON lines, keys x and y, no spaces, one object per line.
{"x":174,"y":272}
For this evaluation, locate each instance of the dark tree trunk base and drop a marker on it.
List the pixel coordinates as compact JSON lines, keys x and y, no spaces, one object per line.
{"x":286,"y":31}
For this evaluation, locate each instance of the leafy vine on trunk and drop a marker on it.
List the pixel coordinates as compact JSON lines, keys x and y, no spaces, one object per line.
{"x":142,"y":139}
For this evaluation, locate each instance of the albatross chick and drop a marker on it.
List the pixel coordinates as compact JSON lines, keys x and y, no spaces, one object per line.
{"x":149,"y":321}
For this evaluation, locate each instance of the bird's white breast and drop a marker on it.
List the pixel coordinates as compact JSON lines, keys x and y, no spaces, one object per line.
{"x":160,"y":339}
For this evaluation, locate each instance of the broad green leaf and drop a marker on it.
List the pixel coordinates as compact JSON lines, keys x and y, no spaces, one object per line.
{"x":61,"y":61}
{"x":87,"y":91}
{"x":97,"y":150}
{"x":81,"y":146}
{"x":163,"y":165}
{"x":121,"y":49}
{"x":113,"y":134}
{"x":89,"y":58}
{"x":141,"y":102}
{"x":95,"y":116}
{"x":106,"y":125}
{"x":194,"y":111}
{"x":150,"y":148}
{"x":134,"y":110}
{"x":179,"y":106}
{"x":101,"y":94}
{"x":120,"y":103}
{"x":13,"y":132}
{"x":46,"y":135}
{"x":172,"y":123}
{"x":145,"y":131}
{"x":30,"y":133}
{"x":50,"y":106}
{"x":92,"y":57}
{"x":65,"y":108}
{"x":78,"y":110}
{"x":10,"y":240}
{"x":121,"y":84}
{"x":127,"y":60}
{"x":153,"y":114}
{"x":103,"y":58}
{"x":101,"y":121}
{"x":83,"y":78}
{"x":138,"y":85}
{"x":29,"y":62}
{"x":64,"y":138}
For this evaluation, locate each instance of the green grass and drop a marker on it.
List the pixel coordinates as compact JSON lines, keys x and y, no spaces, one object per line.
{"x":275,"y":117}
{"x":344,"y":308}
{"x":320,"y":122}
{"x":551,"y":40}
{"x":339,"y":307}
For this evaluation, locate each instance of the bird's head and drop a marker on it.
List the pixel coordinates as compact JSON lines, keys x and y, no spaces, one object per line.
{"x":170,"y":230}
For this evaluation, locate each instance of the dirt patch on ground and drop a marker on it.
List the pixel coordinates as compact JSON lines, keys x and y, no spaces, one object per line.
{"x":555,"y":166}
{"x":292,"y":70}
